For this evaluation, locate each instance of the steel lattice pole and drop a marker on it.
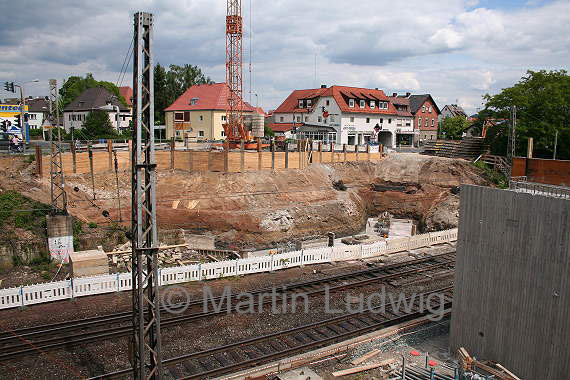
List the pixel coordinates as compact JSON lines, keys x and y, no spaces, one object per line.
{"x":234,"y":69}
{"x":57,"y":182}
{"x":146,"y":316}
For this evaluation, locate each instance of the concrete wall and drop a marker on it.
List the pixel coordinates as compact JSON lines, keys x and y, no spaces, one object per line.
{"x":512,"y":288}
{"x":553,"y":172}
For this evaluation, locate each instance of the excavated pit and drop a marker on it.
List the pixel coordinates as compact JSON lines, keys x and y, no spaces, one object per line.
{"x":262,"y":209}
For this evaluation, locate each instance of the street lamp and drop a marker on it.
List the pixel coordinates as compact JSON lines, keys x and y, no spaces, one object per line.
{"x":22,"y":106}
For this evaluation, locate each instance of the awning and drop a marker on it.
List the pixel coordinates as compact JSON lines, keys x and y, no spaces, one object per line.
{"x":315,"y":128}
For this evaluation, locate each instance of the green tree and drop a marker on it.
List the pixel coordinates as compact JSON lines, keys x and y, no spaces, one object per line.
{"x":542,"y":99}
{"x":97,"y":125}
{"x":268,"y":131}
{"x":452,"y":127}
{"x":75,"y":85}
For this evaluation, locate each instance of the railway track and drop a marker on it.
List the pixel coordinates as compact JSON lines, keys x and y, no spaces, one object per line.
{"x":44,"y":338}
{"x":253,"y":352}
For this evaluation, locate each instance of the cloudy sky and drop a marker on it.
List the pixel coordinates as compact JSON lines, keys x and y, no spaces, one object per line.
{"x":457,"y":50}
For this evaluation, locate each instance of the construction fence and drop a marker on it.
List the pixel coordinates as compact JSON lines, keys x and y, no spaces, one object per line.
{"x":85,"y":286}
{"x":101,"y":159}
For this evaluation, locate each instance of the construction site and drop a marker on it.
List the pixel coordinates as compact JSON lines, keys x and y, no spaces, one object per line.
{"x":260,"y":258}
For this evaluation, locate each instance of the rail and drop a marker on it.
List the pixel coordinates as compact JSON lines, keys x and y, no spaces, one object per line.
{"x":85,"y":286}
{"x":540,"y":189}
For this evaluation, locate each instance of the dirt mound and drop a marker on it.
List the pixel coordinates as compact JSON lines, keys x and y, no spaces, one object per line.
{"x":265,"y":208}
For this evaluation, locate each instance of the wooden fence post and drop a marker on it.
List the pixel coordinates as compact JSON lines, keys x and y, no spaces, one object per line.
{"x":90,"y":154}
{"x":172,"y":145}
{"x":356,"y":150}
{"x":191,"y":160}
{"x":226,"y":156}
{"x":259,"y":154}
{"x":110,"y":151}
{"x":332,"y":152}
{"x":368,"y":152}
{"x":272,"y":154}
{"x":344,"y":151}
{"x":320,"y":152}
{"x":73,"y":157}
{"x":39,"y":163}
{"x":241,"y":156}
{"x":286,"y":155}
{"x":209,"y":160}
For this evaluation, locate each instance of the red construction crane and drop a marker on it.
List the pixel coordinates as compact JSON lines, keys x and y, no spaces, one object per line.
{"x":234,"y":126}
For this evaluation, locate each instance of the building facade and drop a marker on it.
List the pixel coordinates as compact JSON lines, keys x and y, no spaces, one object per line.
{"x":200,"y":113}
{"x":93,"y":99}
{"x":426,"y":116}
{"x":452,"y":110}
{"x":38,"y":111}
{"x":345,"y":115}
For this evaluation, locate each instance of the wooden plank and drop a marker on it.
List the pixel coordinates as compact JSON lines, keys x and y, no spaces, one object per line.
{"x":366,"y":357}
{"x":350,"y":371}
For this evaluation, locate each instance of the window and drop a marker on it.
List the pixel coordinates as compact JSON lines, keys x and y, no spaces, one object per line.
{"x":193,"y":101}
{"x":385,"y":105}
{"x":201,"y":133}
{"x":178,"y":116}
{"x":389,"y":121}
{"x":298,"y":119}
{"x":423,"y":109}
{"x":325,"y":121}
{"x":430,"y":109}
{"x":69,"y":117}
{"x":420,"y":122}
{"x":320,"y":119}
{"x":309,"y":103}
{"x":432,"y":122}
{"x":381,"y":120}
{"x":201,"y":118}
{"x":186,"y":116}
{"x":224,"y":118}
{"x":328,"y":103}
{"x":362,"y":103}
{"x":372,"y":104}
{"x":399,"y":122}
{"x":281,"y":119}
{"x":301,"y":103}
{"x":223,"y":133}
{"x":306,"y":119}
{"x":367,"y":120}
{"x":351,"y":102}
{"x":352,"y":119}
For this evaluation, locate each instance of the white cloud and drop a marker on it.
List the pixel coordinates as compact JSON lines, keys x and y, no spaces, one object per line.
{"x":447,"y":48}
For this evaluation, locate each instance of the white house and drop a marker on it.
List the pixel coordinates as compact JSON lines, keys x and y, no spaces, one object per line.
{"x":38,"y":111}
{"x":92,"y":99}
{"x":346,"y":115}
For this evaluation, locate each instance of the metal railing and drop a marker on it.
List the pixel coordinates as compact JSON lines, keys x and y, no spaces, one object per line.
{"x":523,"y":186}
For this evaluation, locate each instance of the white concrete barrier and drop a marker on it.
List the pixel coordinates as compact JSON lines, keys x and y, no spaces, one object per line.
{"x":59,"y":290}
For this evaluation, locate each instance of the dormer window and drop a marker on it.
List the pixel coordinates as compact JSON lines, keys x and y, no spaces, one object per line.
{"x":372,"y":104}
{"x":309,"y":103}
{"x":351,"y":102}
{"x":301,"y":104}
{"x":193,"y":101}
{"x":362,"y":103}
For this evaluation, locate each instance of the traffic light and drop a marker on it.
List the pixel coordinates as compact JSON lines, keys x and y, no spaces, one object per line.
{"x":18,"y":120}
{"x":9,"y":86}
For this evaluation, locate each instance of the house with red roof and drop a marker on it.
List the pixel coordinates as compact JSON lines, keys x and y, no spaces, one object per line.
{"x":200,"y":112}
{"x":345,"y":115}
{"x":127,"y":93}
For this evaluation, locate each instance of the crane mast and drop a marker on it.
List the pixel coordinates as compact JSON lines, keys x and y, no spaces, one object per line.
{"x":234,"y":126}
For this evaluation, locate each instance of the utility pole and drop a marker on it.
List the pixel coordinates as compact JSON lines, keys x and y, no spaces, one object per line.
{"x":555,"y":144}
{"x":511,"y":149}
{"x":146,"y":343}
{"x":58,"y":195}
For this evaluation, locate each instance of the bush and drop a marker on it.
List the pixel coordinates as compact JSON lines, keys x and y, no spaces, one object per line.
{"x":493,"y":176}
{"x":92,"y":225}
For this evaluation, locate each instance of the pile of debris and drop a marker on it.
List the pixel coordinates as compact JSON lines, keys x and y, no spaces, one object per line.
{"x":168,"y":256}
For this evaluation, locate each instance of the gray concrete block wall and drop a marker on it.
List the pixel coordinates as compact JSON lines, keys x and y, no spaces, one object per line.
{"x":512,"y":286}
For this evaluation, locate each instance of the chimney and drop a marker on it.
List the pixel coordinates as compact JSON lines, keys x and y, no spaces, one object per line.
{"x":376,"y":88}
{"x":408,"y":94}
{"x":323,"y":86}
{"x":394,"y":94}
